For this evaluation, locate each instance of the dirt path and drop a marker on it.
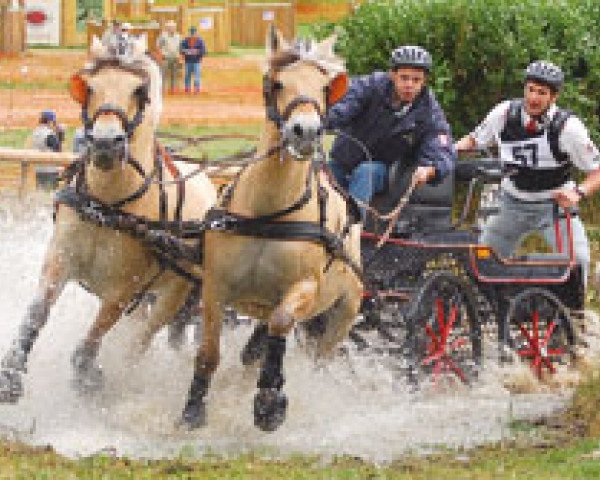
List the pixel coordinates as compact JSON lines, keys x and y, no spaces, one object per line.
{"x":231,"y":90}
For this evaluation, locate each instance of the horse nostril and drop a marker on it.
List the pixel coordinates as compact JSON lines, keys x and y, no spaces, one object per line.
{"x":297,"y":129}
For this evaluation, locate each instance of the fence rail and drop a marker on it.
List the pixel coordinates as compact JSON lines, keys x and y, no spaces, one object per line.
{"x":18,"y":168}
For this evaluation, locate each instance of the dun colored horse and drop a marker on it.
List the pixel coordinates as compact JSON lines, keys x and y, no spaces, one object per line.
{"x":119,"y":181}
{"x":281,"y":248}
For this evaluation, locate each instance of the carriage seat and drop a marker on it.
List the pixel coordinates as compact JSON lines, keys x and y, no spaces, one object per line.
{"x":429,"y":209}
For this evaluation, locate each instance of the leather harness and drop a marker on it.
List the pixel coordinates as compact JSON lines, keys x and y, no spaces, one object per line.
{"x":173,"y":241}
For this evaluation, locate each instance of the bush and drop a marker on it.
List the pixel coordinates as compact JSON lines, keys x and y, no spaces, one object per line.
{"x":480,"y":48}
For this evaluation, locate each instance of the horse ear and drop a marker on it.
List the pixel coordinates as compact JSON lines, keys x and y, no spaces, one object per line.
{"x":78,"y":89}
{"x":325,"y":47}
{"x":140,"y":46}
{"x":97,"y":49}
{"x":337,"y":88}
{"x":275,"y":41}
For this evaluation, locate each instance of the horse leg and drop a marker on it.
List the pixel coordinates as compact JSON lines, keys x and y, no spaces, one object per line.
{"x":337,"y":324}
{"x":183,"y":318}
{"x":270,"y":403}
{"x":174,"y":296}
{"x":88,"y":375}
{"x":256,"y":345}
{"x":14,"y":363}
{"x":207,"y":360}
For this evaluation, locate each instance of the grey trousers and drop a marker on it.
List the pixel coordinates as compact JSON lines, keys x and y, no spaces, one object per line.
{"x":517,"y":218}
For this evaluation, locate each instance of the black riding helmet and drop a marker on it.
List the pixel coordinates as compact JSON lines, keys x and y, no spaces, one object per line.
{"x":411,"y":56}
{"x":546,"y":73}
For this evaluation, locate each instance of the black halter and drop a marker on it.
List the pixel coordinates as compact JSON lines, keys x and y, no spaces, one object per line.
{"x":141,"y":94}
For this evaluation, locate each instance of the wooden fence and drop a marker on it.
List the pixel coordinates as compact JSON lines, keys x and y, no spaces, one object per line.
{"x":250,"y":21}
{"x":12,"y":30}
{"x":19,"y":169}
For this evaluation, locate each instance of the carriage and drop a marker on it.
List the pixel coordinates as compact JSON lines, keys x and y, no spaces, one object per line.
{"x":434,"y":296}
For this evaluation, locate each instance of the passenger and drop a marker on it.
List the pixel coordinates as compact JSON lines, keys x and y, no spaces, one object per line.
{"x":398,"y":119}
{"x":542,"y":142}
{"x":48,"y":136}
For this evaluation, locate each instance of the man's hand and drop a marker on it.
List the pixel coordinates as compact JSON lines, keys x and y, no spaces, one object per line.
{"x":567,"y":197}
{"x":423,"y":174}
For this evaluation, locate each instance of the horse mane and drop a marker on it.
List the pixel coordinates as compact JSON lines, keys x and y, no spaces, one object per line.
{"x":306,"y":50}
{"x":141,"y":65}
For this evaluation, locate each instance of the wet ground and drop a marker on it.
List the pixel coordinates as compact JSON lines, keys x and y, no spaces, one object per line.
{"x":353,"y":407}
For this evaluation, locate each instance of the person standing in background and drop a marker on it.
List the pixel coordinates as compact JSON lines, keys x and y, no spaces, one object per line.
{"x":193,"y":50}
{"x":168,"y":45}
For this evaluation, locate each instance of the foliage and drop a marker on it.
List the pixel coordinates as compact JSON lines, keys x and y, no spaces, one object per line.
{"x":480,"y":48}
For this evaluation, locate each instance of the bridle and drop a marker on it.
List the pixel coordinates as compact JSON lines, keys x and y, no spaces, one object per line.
{"x":141,"y":94}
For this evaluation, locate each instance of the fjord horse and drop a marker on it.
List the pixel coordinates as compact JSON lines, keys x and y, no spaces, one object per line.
{"x":118,"y":179}
{"x":266,"y":253}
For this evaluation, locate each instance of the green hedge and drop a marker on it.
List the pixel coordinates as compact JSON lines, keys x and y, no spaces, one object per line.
{"x":480,"y":48}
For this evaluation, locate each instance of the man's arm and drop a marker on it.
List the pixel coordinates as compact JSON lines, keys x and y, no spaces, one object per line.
{"x":485,"y":133}
{"x":583,"y":153}
{"x":436,"y":158}
{"x":351,"y":104}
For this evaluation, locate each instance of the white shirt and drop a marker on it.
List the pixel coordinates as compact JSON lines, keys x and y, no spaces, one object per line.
{"x":169,"y":44}
{"x":574,"y":140}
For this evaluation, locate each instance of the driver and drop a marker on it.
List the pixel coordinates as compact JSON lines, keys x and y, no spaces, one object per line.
{"x":397,"y":118}
{"x":542,"y":142}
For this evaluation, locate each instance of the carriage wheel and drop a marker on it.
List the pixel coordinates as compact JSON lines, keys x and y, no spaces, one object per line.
{"x":540,"y":330}
{"x":444,"y":333}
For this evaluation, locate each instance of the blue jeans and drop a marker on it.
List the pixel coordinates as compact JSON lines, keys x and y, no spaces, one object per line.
{"x":516,"y":218}
{"x":367,"y":179}
{"x":192,"y":69}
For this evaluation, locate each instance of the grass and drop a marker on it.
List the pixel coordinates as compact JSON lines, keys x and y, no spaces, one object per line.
{"x":542,"y":459}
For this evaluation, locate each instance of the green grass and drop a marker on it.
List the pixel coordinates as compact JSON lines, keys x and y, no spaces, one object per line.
{"x":541,"y":460}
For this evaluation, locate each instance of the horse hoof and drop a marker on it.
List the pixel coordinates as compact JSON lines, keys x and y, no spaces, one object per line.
{"x":11,"y":386}
{"x":270,"y":406}
{"x":193,"y":416}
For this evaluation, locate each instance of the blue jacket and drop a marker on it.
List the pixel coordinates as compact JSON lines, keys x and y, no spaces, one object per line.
{"x":192,"y":51}
{"x":421,"y":136}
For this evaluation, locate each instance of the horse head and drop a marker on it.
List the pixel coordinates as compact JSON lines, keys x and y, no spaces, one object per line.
{"x":301,"y":81}
{"x":120,"y":97}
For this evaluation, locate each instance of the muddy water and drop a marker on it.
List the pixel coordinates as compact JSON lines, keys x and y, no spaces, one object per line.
{"x":356,"y":410}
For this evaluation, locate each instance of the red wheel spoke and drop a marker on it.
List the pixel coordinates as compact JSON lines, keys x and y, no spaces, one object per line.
{"x":526,"y":334}
{"x":537,"y":366}
{"x":433,"y":358}
{"x":556,"y":351}
{"x":457,"y":370}
{"x":526,"y":353}
{"x":549,"y":333}
{"x":549,"y":365}
{"x":432,"y":335}
{"x":449,"y":324}
{"x":459,"y":342}
{"x":440,"y":316}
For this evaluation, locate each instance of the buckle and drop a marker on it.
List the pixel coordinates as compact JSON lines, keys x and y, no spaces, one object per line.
{"x":223,"y":223}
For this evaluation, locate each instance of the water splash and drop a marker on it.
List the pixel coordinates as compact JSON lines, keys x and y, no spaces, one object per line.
{"x":333,"y":410}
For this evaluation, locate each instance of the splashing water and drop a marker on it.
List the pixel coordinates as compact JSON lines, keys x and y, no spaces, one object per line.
{"x":358,"y":410}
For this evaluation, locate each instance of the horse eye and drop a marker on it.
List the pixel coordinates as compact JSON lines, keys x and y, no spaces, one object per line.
{"x":277,"y":85}
{"x":140,"y":91}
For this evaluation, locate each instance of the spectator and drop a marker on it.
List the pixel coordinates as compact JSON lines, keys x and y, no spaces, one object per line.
{"x":79,"y":141}
{"x":193,"y":49}
{"x":168,"y":45}
{"x":48,"y":136}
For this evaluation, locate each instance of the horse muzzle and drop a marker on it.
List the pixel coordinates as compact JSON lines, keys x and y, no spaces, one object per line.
{"x":302,"y":134}
{"x":105,"y":152}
